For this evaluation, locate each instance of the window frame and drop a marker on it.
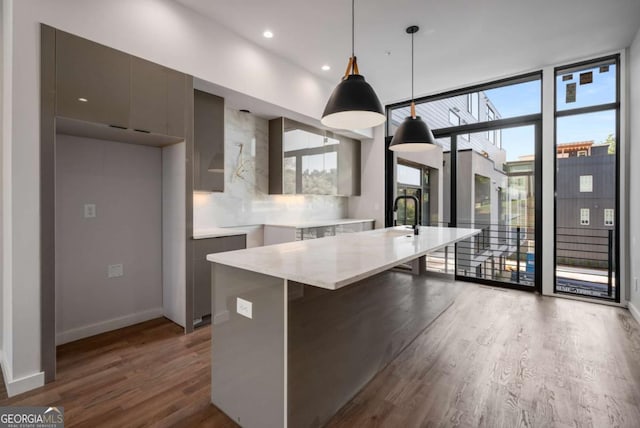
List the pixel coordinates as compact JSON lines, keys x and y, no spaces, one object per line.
{"x":534,"y":119}
{"x":617,"y":107}
{"x":585,"y":220}
{"x":586,"y":182}
{"x":609,"y":220}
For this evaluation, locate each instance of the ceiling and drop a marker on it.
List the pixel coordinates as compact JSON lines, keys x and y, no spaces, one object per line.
{"x":460,"y":42}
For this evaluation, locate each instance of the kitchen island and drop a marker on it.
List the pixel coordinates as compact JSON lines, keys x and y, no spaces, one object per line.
{"x":299,"y":328}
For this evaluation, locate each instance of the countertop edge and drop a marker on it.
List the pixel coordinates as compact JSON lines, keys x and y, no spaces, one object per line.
{"x":341,"y":282}
{"x":218,"y":234}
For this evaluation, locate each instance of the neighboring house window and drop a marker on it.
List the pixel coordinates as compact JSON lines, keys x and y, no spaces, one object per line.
{"x":491,"y":116}
{"x":473,"y":104}
{"x":465,"y":136}
{"x":582,"y":153}
{"x":454,"y":119}
{"x":586,"y":183}
{"x":499,"y":139}
{"x":584,"y":216}
{"x":608,"y":216}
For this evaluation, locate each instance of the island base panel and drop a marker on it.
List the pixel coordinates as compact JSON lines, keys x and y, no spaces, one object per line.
{"x":339,"y":340}
{"x":248,"y":355}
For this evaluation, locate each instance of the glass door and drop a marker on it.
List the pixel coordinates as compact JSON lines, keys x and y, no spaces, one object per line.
{"x":484,"y":174}
{"x":496,"y":193}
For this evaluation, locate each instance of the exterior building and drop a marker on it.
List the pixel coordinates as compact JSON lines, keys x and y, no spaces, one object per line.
{"x":585,"y":214}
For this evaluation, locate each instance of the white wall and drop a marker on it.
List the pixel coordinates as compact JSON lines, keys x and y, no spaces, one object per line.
{"x":634,"y":179}
{"x":174,"y":218}
{"x":159,"y":30}
{"x":2,"y":36}
{"x":370,"y":203}
{"x":124,"y":181}
{"x":7,"y":259}
{"x":245,"y":200}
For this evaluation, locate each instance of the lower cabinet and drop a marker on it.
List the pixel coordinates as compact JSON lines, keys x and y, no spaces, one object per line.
{"x":202,"y":269}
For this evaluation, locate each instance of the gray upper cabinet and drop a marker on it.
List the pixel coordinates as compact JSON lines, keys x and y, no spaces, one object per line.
{"x":176,"y":102}
{"x":308,"y":160}
{"x":148,"y":96}
{"x":208,"y":139}
{"x":92,"y":81}
{"x":95,"y":83}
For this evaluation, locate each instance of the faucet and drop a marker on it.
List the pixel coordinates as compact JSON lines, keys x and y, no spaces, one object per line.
{"x":416,"y":203}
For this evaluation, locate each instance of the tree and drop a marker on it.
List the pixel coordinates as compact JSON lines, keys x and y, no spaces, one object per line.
{"x":612,"y":144}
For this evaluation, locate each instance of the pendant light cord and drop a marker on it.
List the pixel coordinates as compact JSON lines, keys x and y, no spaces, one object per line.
{"x":411,"y":67}
{"x":353,"y":28}
{"x":352,"y":67}
{"x":413,"y":104}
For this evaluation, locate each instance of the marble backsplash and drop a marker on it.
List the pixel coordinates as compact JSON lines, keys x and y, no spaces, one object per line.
{"x":245,"y":200}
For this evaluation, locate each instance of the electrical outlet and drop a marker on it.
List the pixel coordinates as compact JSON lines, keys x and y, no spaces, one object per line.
{"x":89,"y":210}
{"x":115,"y":271}
{"x":244,"y":308}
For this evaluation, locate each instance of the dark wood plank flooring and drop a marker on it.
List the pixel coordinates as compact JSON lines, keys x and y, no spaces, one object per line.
{"x":494,"y":358}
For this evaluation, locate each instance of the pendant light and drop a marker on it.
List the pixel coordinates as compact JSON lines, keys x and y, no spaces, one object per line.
{"x":413,"y":135}
{"x":353,"y":103}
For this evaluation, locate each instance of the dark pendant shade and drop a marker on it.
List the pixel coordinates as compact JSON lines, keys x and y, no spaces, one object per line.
{"x":353,"y":105}
{"x":413,"y":135}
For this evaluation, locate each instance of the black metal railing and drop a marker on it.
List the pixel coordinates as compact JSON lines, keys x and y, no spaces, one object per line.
{"x":443,"y":260}
{"x":500,"y":252}
{"x":498,"y":249}
{"x":585,"y":262}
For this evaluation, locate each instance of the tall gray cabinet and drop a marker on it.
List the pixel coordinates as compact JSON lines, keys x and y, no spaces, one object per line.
{"x":104,"y":93}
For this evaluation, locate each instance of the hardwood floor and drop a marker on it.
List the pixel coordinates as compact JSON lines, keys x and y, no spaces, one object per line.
{"x":510,"y":359}
{"x":494,"y":358}
{"x":149,"y":374}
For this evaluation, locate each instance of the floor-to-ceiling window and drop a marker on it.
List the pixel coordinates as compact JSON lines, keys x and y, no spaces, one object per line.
{"x":587,"y":182}
{"x":486,"y":163}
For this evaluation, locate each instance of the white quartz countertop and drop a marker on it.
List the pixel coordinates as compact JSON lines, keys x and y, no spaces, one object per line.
{"x":217,"y":232}
{"x":340,"y":260}
{"x":320,"y":223}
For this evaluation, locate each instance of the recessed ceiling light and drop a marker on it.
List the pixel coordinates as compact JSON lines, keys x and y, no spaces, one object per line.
{"x":267,"y":34}
{"x":326,"y":67}
{"x":82,"y":100}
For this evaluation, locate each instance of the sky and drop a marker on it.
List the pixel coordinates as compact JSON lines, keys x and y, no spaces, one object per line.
{"x":521,"y":99}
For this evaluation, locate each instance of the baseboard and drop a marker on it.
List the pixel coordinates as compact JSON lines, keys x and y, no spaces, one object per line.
{"x":5,"y":369}
{"x":634,"y":312}
{"x":23,"y":384}
{"x":175,"y":319}
{"x":108,"y":325}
